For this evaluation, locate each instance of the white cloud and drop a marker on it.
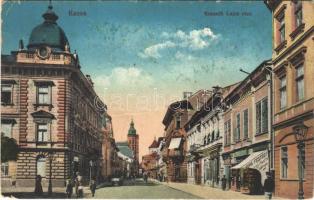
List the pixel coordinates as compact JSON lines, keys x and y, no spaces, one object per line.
{"x":153,"y":51}
{"x":193,"y":40}
{"x":182,"y":56}
{"x":122,"y":78}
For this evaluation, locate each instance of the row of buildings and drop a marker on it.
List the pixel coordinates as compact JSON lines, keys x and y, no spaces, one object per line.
{"x":58,"y":121}
{"x":261,"y":124}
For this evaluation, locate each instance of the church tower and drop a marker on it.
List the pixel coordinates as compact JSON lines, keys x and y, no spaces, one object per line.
{"x":133,"y":143}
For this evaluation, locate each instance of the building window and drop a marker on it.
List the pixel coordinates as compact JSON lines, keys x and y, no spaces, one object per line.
{"x":6,"y":129}
{"x":284,"y":162}
{"x":6,"y":94}
{"x":245,"y":123}
{"x":43,"y":96}
{"x":178,"y":122}
{"x":41,"y":166}
{"x":227,"y":132}
{"x":298,"y":15}
{"x":237,"y":136}
{"x":5,"y":169}
{"x":42,"y":132}
{"x":300,"y":82}
{"x":262,"y":116}
{"x":282,"y":28}
{"x":283,"y":92}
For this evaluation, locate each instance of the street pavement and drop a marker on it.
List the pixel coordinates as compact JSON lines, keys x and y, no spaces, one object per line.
{"x":141,"y":190}
{"x":138,"y":189}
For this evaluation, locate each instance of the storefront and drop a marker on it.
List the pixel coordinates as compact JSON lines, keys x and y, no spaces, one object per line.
{"x":249,"y":175}
{"x":212,"y":165}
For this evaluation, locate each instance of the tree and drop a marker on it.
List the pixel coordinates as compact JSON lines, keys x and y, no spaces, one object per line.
{"x":9,"y":149}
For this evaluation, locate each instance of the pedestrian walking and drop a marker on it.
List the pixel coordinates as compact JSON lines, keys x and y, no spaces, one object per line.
{"x":80,"y":190}
{"x":145,"y":176}
{"x":92,"y":186}
{"x":69,"y":188}
{"x":38,"y":186}
{"x":78,"y":183}
{"x":238,"y":183}
{"x":223,"y":182}
{"x":269,"y":186}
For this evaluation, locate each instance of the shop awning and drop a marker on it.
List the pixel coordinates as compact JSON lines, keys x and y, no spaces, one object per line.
{"x":257,"y":160}
{"x":175,"y":143}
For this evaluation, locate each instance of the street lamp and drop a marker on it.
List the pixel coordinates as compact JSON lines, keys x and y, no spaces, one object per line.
{"x":300,"y":132}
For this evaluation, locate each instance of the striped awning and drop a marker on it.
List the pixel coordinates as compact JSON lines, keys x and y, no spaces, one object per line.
{"x":175,"y":143}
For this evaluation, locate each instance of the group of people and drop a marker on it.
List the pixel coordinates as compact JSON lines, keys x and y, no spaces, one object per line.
{"x":77,"y":183}
{"x":79,"y":186}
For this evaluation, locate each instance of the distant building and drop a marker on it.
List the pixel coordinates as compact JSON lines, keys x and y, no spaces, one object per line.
{"x":175,"y":149}
{"x":48,"y":106}
{"x":109,"y":148}
{"x":127,"y":159}
{"x":205,"y":141}
{"x":133,"y":141}
{"x":150,"y":161}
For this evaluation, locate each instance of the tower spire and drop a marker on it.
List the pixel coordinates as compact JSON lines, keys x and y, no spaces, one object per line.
{"x":132,"y":130}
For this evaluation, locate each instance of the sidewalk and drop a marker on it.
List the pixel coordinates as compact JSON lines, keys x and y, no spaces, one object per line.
{"x":28,"y":192}
{"x":208,"y":192}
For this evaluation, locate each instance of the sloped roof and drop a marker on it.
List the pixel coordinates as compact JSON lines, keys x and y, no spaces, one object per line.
{"x":125,"y":149}
{"x":154,"y":144}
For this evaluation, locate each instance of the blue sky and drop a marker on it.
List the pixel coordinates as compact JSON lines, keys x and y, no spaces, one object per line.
{"x":138,"y":46}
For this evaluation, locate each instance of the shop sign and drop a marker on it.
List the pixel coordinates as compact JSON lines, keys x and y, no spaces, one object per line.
{"x":240,"y":153}
{"x":260,"y":162}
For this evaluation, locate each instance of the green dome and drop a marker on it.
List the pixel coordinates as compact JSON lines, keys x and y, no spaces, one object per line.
{"x":132,"y":130}
{"x":48,"y":33}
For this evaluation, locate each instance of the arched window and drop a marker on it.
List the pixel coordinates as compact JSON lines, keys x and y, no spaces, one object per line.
{"x":41,"y":166}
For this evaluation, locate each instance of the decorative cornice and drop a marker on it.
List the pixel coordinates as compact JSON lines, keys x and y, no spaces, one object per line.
{"x":297,"y":31}
{"x":294,"y":45}
{"x":281,"y":46}
{"x":280,"y":11}
{"x":281,"y":69}
{"x":297,"y":56}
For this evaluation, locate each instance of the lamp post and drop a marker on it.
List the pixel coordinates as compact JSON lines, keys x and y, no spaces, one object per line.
{"x":300,"y":131}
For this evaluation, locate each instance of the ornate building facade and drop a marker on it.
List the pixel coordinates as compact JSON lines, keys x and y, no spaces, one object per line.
{"x":48,"y":107}
{"x":174,"y":150}
{"x":293,"y":75}
{"x":205,"y":141}
{"x":247,"y":132}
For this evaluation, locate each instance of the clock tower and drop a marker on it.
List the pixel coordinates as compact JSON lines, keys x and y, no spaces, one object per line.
{"x":133,"y":144}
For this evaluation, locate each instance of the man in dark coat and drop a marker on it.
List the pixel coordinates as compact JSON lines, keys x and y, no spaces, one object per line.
{"x":223,"y":182}
{"x":69,"y":188}
{"x":38,"y":187}
{"x":269,"y":186}
{"x":92,"y":186}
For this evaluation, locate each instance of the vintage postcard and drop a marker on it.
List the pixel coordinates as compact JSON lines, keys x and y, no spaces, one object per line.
{"x":157,"y":99}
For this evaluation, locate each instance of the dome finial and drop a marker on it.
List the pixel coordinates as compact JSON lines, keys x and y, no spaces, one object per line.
{"x":49,"y":15}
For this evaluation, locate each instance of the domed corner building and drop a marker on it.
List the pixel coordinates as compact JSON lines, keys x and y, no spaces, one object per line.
{"x":48,"y":107}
